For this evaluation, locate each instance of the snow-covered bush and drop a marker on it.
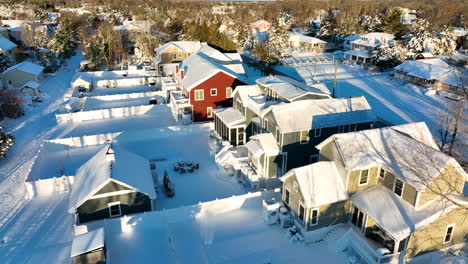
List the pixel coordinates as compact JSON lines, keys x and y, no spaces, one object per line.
{"x":420,"y":38}
{"x":389,"y":56}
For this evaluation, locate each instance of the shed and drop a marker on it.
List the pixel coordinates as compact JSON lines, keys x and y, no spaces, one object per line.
{"x":89,"y":248}
{"x":83,"y":84}
{"x":18,"y":75}
{"x":6,"y":46}
{"x":31,"y":88}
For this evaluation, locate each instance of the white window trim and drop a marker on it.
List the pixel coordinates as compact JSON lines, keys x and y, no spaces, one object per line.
{"x":229,"y":89}
{"x":307,"y":139}
{"x":451,"y":235}
{"x":211,"y":92}
{"x":402,"y":188}
{"x":112,"y":204}
{"x":340,"y":129}
{"x":311,"y":214}
{"x":304,"y":221}
{"x":174,"y":56}
{"x":385,"y":173}
{"x":208,"y":114}
{"x":319,"y":132}
{"x":203,"y":94}
{"x":367,"y":180}
{"x":284,"y":196}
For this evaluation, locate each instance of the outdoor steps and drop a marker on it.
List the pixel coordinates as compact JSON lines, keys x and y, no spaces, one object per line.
{"x":333,"y":236}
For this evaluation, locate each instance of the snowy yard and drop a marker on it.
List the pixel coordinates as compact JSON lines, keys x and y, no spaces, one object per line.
{"x":124,"y":100}
{"x":187,"y":143}
{"x":122,"y":90}
{"x":392,"y":100}
{"x":225,"y":231}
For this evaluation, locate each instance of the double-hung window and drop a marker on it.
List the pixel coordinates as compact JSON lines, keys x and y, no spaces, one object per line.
{"x":209,"y":112}
{"x":364,"y":177}
{"x":382,"y":173}
{"x":314,"y":217}
{"x":114,"y":209}
{"x":228,"y":92}
{"x":449,"y":234}
{"x":301,"y":213}
{"x":317,"y":132}
{"x":398,"y":187}
{"x":199,"y":95}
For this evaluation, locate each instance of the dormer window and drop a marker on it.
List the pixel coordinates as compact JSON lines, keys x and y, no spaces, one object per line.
{"x":364,"y":177}
{"x":398,"y":187}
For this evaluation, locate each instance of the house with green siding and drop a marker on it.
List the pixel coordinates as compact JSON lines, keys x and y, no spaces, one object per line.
{"x":401,"y":196}
{"x":113,"y":183}
{"x":238,"y":123}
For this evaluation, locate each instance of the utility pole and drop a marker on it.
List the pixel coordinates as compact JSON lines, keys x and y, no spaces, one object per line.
{"x":334,"y":79}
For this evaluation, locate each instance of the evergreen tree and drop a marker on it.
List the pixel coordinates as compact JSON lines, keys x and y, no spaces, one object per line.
{"x":5,"y":61}
{"x":279,"y":36}
{"x":6,"y":142}
{"x":389,"y":56}
{"x":65,"y":39}
{"x":391,"y":23}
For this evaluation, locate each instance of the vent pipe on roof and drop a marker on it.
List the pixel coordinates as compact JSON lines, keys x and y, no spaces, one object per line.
{"x":110,"y":154}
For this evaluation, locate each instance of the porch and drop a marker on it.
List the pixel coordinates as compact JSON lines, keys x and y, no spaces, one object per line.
{"x":180,"y":105}
{"x":358,"y":56}
{"x":230,"y":125}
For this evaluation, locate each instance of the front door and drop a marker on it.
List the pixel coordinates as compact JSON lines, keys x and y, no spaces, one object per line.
{"x":359,"y":218}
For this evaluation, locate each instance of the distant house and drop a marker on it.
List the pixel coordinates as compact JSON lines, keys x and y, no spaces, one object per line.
{"x":362,"y":49}
{"x":114,"y":182}
{"x":7,"y":47}
{"x":424,"y":56}
{"x":408,"y":18}
{"x":301,"y":43}
{"x":31,"y":88}
{"x":462,"y":38}
{"x":207,"y":79}
{"x":347,"y":41}
{"x":132,"y":28}
{"x":260,"y":26}
{"x":236,"y":124}
{"x":18,"y":75}
{"x":383,"y":182}
{"x":431,"y":73}
{"x":89,"y":248}
{"x":170,"y":54}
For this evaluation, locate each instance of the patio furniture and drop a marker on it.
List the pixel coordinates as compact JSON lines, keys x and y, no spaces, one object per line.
{"x":182,"y":170}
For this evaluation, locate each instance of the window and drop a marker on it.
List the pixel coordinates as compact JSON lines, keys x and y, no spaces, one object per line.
{"x":180,"y":55}
{"x":9,"y":82}
{"x":228,"y":92}
{"x":398,"y":187}
{"x":114,"y":209}
{"x":286,"y":196}
{"x":278,"y":136}
{"x":340,"y":129}
{"x":449,"y":234}
{"x":364,"y":178}
{"x":314,"y":158}
{"x":352,"y":127}
{"x":265,"y":124}
{"x":301,"y":213}
{"x":174,"y":56}
{"x":199,"y":95}
{"x":382,"y":173}
{"x":209,"y":111}
{"x":314,"y":217}
{"x":213,"y":91}
{"x":317,"y":132}
{"x":295,"y":186}
{"x":304,"y":137}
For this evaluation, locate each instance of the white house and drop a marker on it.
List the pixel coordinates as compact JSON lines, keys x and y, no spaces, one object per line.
{"x":6,"y":46}
{"x":363,"y":48}
{"x":18,"y":75}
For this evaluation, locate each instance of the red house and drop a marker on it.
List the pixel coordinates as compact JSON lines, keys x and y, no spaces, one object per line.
{"x":207,"y":78}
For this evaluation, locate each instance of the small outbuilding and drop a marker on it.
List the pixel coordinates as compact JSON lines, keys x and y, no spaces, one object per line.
{"x":18,"y":75}
{"x":83,"y":84}
{"x":31,"y":88}
{"x":6,"y":46}
{"x":89,"y":248}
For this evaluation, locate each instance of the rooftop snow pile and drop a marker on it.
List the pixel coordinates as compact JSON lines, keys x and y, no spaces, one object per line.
{"x":315,"y":182}
{"x":321,"y":113}
{"x":111,"y":164}
{"x":407,"y":151}
{"x":206,"y":63}
{"x":87,"y":242}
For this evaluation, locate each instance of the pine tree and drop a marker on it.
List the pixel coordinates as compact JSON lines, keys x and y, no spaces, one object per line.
{"x":389,"y":56}
{"x":5,"y":61}
{"x":6,"y":142}
{"x":65,"y":39}
{"x":278,"y":38}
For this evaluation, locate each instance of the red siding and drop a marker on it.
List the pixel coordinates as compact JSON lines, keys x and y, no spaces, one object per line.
{"x":220,"y":81}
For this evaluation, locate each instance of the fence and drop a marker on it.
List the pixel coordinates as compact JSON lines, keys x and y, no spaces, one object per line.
{"x":85,"y":141}
{"x":49,"y":186}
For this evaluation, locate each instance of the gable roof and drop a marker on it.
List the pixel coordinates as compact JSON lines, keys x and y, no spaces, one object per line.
{"x":436,"y":61}
{"x":373,"y":39}
{"x":407,"y":151}
{"x":206,"y":63}
{"x":31,"y":84}
{"x":427,"y":71}
{"x":303,"y":38}
{"x":321,"y":113}
{"x":230,"y":116}
{"x":6,"y":44}
{"x":263,"y":143}
{"x":320,"y":183}
{"x":87,"y":242}
{"x":186,"y":46}
{"x":253,"y":98}
{"x":291,"y":89}
{"x":26,"y":66}
{"x":125,"y":168}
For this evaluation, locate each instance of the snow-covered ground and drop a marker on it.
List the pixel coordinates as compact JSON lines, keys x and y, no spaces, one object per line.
{"x":392,"y":100}
{"x":225,"y":231}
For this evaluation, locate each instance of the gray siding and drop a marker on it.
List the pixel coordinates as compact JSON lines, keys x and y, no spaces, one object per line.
{"x":93,"y":257}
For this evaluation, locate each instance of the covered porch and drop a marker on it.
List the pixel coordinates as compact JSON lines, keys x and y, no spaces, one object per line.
{"x":230,"y":125}
{"x":358,"y":56}
{"x":180,"y":104}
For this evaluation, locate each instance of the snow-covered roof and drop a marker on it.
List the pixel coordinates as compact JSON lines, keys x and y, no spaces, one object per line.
{"x":322,"y":113}
{"x":426,"y":54}
{"x":316,"y":189}
{"x":407,"y":151}
{"x":395,"y":215}
{"x":460,"y":32}
{"x":230,"y":116}
{"x":289,"y":88}
{"x":6,"y":44}
{"x":31,"y":84}
{"x":437,"y":62}
{"x":260,"y":22}
{"x":420,"y":69}
{"x":359,"y":53}
{"x":352,"y":37}
{"x":253,"y":98}
{"x":134,"y":26}
{"x":263,"y":143}
{"x":186,"y":46}
{"x":206,"y":63}
{"x":26,"y":66}
{"x":373,"y":39}
{"x":87,"y":242}
{"x":122,"y":167}
{"x":303,"y":38}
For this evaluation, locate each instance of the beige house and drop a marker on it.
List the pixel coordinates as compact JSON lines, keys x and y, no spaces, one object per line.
{"x":18,"y":75}
{"x":301,"y":43}
{"x":170,"y":54}
{"x":402,"y":196}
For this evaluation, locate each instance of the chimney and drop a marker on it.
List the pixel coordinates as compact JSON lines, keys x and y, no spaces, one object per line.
{"x":181,"y":74}
{"x":110,"y":155}
{"x":177,"y":68}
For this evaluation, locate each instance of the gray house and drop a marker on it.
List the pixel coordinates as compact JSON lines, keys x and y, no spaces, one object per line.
{"x":237,"y":123}
{"x":113,"y":183}
{"x":89,"y":248}
{"x":18,"y":75}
